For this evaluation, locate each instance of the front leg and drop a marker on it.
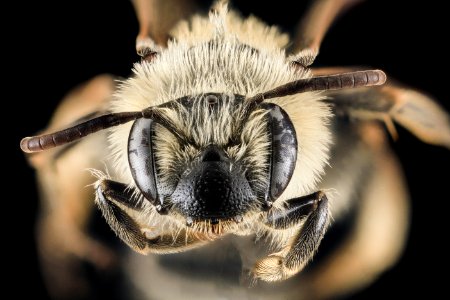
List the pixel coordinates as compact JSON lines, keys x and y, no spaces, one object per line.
{"x":307,"y":215}
{"x":120,"y":206}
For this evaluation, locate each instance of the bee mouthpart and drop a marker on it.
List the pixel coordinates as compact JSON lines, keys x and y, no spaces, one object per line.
{"x":217,"y":226}
{"x":214,"y":221}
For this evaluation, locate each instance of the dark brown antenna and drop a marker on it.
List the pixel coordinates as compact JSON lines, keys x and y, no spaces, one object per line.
{"x":324,"y":83}
{"x":58,"y":138}
{"x":51,"y":140}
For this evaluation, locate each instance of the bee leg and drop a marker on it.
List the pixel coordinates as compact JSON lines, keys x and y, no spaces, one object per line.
{"x":313,"y":28}
{"x":311,"y":213}
{"x":121,"y":209}
{"x":156,"y":19}
{"x":63,"y":241}
{"x":379,"y":230}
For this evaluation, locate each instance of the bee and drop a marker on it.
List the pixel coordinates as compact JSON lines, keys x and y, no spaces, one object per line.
{"x":220,"y":134}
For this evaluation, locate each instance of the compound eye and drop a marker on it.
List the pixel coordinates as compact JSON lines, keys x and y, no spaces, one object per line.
{"x":283,"y":155}
{"x":141,"y":158}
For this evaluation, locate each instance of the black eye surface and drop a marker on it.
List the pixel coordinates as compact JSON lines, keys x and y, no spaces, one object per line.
{"x":283,"y":154}
{"x":141,"y":158}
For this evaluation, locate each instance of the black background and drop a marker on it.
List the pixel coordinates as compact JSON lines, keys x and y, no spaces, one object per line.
{"x":53,"y":47}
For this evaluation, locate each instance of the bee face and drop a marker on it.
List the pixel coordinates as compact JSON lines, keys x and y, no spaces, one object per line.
{"x":220,"y":66}
{"x":214,"y":169}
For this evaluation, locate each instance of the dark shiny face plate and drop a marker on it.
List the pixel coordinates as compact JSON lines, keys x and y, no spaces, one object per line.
{"x":213,"y":189}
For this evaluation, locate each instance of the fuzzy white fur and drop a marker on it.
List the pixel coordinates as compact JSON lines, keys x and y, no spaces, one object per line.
{"x":230,"y":65}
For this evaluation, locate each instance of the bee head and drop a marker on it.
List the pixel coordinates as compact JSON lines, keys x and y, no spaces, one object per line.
{"x":214,"y":158}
